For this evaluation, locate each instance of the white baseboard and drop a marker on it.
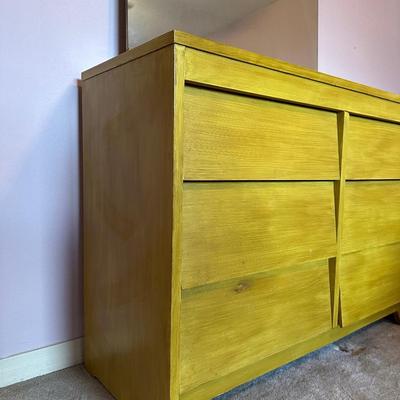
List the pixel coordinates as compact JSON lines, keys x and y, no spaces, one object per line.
{"x":24,"y":366}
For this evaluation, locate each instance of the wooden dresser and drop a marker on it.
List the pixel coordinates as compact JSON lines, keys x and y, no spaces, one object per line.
{"x":239,"y":212}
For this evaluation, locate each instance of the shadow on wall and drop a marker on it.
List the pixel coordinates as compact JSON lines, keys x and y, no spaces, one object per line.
{"x":40,"y":264}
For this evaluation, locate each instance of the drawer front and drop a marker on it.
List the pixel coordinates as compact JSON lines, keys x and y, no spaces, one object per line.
{"x":234,"y":137}
{"x":369,"y":282}
{"x":371,"y":214}
{"x":232,"y":229}
{"x":230,"y":325}
{"x":373,"y":149}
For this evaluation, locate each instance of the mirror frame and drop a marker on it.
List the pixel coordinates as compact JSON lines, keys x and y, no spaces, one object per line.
{"x":122,"y":26}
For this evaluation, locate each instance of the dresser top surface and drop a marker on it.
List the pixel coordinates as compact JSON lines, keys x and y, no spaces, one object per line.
{"x":210,"y":46}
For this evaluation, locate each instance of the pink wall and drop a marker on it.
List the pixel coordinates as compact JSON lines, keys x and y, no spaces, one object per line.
{"x":285,"y":29}
{"x":44,"y":45}
{"x":360,"y":40}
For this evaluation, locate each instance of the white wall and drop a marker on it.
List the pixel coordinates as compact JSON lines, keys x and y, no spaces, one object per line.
{"x":44,"y":45}
{"x":360,"y":40}
{"x":285,"y":29}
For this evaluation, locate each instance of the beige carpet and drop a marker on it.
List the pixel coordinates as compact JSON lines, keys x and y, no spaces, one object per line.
{"x":364,"y":366}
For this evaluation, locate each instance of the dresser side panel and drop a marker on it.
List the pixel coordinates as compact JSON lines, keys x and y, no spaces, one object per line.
{"x":128,"y":174}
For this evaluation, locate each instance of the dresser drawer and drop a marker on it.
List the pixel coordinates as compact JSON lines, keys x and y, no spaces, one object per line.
{"x":370,"y":282}
{"x":230,"y":325}
{"x":371,"y":214}
{"x":231,"y":229}
{"x":373,"y":149}
{"x":234,"y":137}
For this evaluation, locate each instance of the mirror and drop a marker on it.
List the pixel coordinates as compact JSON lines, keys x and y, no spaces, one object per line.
{"x":150,"y":18}
{"x":282,"y":29}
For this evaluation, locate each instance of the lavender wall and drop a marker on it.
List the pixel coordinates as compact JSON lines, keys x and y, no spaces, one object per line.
{"x":285,"y":29}
{"x":360,"y":40}
{"x":44,"y":45}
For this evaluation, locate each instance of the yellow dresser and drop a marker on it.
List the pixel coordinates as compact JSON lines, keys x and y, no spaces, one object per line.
{"x":239,"y":212}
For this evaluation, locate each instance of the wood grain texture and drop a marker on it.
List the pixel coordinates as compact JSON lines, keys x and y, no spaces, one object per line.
{"x":143,"y":50}
{"x":249,"y":57}
{"x":209,"y":46}
{"x":182,"y":276}
{"x":219,"y":72}
{"x":343,"y":124}
{"x":179,"y":81}
{"x":127,"y":149}
{"x":236,"y":323}
{"x":236,"y":229}
{"x":373,"y":150}
{"x":232,"y":137}
{"x":371,"y":214}
{"x":370,"y":282}
{"x":216,"y":387}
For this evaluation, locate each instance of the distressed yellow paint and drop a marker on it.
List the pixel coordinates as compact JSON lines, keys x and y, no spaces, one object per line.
{"x":232,"y":137}
{"x":371,"y":214}
{"x":235,"y":324}
{"x":373,"y":149}
{"x":236,"y":229}
{"x":201,"y":286}
{"x":370,"y":282}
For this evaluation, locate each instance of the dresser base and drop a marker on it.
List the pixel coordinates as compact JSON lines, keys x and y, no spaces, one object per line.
{"x":219,"y":386}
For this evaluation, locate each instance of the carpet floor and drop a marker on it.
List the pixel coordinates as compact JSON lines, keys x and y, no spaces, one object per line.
{"x":363,"y":366}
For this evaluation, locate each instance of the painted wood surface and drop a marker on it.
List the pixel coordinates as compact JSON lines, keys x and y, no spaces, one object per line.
{"x":373,"y":149}
{"x":195,"y":42}
{"x":236,"y":323}
{"x":237,"y":229}
{"x":370,"y":282}
{"x":177,"y":188}
{"x":127,"y":164}
{"x":335,"y":263}
{"x":210,"y":70}
{"x":176,"y":266}
{"x":213,"y":388}
{"x":232,"y":137}
{"x":371,"y":214}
